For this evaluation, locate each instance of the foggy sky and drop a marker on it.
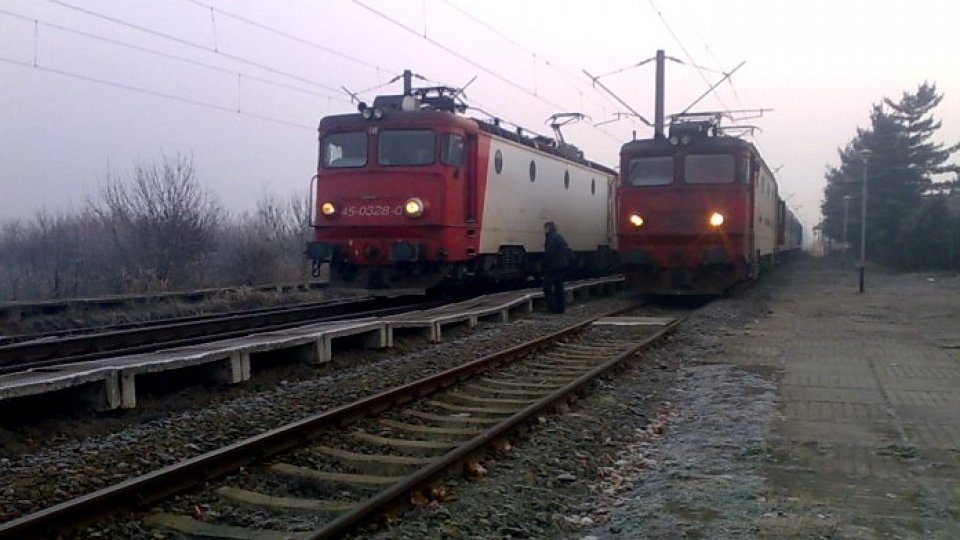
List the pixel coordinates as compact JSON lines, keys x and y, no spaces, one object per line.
{"x":819,"y":65}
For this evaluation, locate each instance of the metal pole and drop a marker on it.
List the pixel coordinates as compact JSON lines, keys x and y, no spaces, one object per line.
{"x":846,"y":208}
{"x":407,"y":82}
{"x":659,"y":98}
{"x":863,"y":223}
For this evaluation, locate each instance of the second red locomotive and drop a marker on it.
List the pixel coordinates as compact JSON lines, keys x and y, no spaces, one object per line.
{"x":699,"y":211}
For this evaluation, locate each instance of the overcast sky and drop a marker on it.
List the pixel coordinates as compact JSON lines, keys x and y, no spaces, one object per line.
{"x":240,"y":85}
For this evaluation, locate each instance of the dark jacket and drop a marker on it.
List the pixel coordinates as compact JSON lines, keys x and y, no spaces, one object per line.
{"x":556,"y":254}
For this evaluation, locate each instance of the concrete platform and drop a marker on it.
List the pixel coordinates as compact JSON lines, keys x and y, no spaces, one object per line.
{"x":111,"y":383}
{"x":498,"y":306}
{"x":869,"y":384}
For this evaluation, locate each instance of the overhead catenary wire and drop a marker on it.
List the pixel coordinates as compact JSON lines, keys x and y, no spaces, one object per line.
{"x":710,"y":54}
{"x":573,"y":79}
{"x":684,"y":49}
{"x":154,"y":93}
{"x":457,"y":54}
{"x":194,"y":45}
{"x":470,"y":61}
{"x":292,"y":37}
{"x":162,"y":54}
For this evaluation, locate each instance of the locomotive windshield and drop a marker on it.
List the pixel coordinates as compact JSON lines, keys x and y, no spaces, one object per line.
{"x":343,"y":150}
{"x":709,"y":168}
{"x":650,"y":171}
{"x":406,"y":147}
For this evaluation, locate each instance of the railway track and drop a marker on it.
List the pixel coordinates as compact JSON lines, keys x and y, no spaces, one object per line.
{"x":57,"y":350}
{"x":19,"y":310}
{"x":342,"y":468}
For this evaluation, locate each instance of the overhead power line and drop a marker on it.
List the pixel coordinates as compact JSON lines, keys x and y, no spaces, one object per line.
{"x":292,"y":37}
{"x":470,"y":61}
{"x":154,"y":93}
{"x":709,"y":50}
{"x":194,"y":45}
{"x":684,"y":49}
{"x":573,"y":79}
{"x":169,"y":56}
{"x":459,"y":55}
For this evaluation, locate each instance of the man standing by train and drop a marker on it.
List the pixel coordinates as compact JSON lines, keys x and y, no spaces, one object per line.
{"x":555,"y":262}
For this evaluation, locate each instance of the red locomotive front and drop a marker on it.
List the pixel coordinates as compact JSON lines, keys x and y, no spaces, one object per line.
{"x":395,"y":194}
{"x":689,"y":220}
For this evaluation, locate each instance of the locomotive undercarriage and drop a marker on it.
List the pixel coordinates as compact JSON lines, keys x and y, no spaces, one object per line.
{"x":707,"y":271}
{"x":511,"y":265}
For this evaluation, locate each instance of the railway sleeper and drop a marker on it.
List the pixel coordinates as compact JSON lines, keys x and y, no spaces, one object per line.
{"x":530,"y":392}
{"x":416,"y":447}
{"x":506,"y":402}
{"x":444,"y":433}
{"x":486,"y":411}
{"x":324,"y":481}
{"x":375,"y":464}
{"x":199,"y":529}
{"x":460,"y":418}
{"x":290,"y":504}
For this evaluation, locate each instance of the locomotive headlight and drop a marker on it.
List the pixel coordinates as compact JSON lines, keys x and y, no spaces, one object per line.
{"x":674,"y":140}
{"x":366,"y":113}
{"x":635,"y":220}
{"x":413,"y":207}
{"x":716,"y":219}
{"x":328,"y":208}
{"x":378,"y":113}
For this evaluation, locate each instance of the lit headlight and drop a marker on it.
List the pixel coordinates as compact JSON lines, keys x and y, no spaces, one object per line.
{"x":635,"y":220}
{"x":328,"y":208}
{"x":366,"y":113}
{"x":716,"y":219}
{"x":378,"y":113}
{"x":674,"y":140}
{"x":413,"y":207}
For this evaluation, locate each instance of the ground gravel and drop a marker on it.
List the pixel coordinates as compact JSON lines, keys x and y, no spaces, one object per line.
{"x":668,"y":448}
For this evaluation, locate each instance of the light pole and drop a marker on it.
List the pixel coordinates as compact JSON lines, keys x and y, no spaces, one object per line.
{"x":865,"y":156}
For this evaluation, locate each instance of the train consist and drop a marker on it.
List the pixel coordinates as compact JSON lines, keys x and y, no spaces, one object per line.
{"x":412,"y":195}
{"x":699,"y":211}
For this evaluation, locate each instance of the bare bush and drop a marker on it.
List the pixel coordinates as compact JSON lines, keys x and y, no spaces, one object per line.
{"x":266,"y":245}
{"x":155,"y":230}
{"x":163,"y":225}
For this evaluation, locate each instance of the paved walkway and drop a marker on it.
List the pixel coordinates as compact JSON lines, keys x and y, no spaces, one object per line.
{"x":868,"y":441}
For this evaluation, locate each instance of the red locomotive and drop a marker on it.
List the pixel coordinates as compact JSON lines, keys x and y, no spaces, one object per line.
{"x":410,"y":194}
{"x":699,"y":211}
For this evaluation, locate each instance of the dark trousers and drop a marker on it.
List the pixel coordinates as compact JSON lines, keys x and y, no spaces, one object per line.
{"x":553,"y":291}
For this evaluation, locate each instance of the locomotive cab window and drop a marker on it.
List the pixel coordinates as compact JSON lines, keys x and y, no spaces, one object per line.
{"x":344,"y":150}
{"x":406,"y":147}
{"x":709,"y":168}
{"x":650,"y":171}
{"x":743,"y":172}
{"x":451,"y":150}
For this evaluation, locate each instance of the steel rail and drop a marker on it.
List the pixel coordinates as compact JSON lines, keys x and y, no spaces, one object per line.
{"x":20,"y":356}
{"x":48,"y":307}
{"x":398,"y":494}
{"x":83,"y":330}
{"x":156,"y":485}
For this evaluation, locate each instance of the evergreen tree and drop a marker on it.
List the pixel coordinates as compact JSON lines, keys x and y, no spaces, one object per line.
{"x":901,"y":172}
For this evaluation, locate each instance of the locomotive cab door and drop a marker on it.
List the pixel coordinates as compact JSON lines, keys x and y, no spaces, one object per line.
{"x":469,"y":173}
